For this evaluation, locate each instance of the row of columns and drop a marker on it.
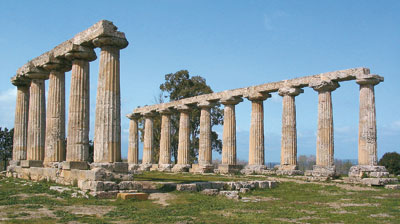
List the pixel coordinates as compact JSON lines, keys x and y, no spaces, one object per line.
{"x":325,"y":141}
{"x":40,"y":134}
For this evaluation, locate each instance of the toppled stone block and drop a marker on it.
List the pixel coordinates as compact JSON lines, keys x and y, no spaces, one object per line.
{"x":210,"y":192}
{"x":378,"y":181}
{"x":186,"y":187}
{"x":138,"y":196}
{"x":230,"y":194}
{"x":393,"y":186}
{"x":130,"y":185}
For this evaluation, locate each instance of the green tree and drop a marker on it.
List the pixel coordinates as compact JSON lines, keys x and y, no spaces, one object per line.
{"x":391,"y":160}
{"x":6,"y":145}
{"x":178,"y":86}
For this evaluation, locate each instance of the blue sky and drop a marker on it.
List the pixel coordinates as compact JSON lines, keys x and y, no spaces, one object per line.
{"x":232,"y":44}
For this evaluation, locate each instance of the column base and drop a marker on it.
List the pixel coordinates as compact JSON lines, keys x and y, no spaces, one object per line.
{"x":76,"y":165}
{"x":228,"y":169}
{"x":162,"y":167}
{"x":31,"y":163}
{"x":289,"y":170}
{"x":364,"y":171}
{"x":145,"y":167}
{"x":321,"y":171}
{"x":254,"y":169}
{"x":117,"y":167}
{"x":202,"y":168}
{"x":181,"y":168}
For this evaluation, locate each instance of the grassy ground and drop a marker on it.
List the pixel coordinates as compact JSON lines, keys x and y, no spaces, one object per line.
{"x":29,"y":202}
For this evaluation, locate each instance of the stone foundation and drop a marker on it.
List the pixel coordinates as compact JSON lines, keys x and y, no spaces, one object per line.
{"x":181,"y":168}
{"x":202,"y":168}
{"x":145,"y":167}
{"x":321,"y":171}
{"x":162,"y":167}
{"x":31,"y":163}
{"x":254,"y":169}
{"x":289,"y":170}
{"x":228,"y":169}
{"x":364,"y":171}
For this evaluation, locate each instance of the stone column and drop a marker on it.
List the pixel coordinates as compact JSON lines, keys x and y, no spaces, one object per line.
{"x":36,"y":120}
{"x":367,"y":134}
{"x":147,"y":159}
{"x":78,"y":112}
{"x":164,"y":163}
{"x":256,"y":141}
{"x":184,"y":140}
{"x":325,"y":144}
{"x":133,"y":145}
{"x":205,"y":150}
{"x":289,"y":133}
{"x":55,"y":119}
{"x":229,"y":136}
{"x":21,"y":120}
{"x":107,"y":131}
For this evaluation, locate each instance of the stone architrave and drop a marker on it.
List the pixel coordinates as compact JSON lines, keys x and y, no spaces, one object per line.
{"x":147,"y":159}
{"x":78,"y":112}
{"x":256,"y":141}
{"x":367,"y":134}
{"x":55,"y":114}
{"x":107,"y":131}
{"x":182,"y":164}
{"x":37,"y":118}
{"x":21,"y":120}
{"x":229,"y":136}
{"x":325,"y":141}
{"x":205,"y":150}
{"x":289,"y":133}
{"x":164,"y":162}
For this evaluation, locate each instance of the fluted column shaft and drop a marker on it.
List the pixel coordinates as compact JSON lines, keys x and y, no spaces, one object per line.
{"x":21,"y":122}
{"x":133,"y":145}
{"x":78,"y":113}
{"x":205,"y":150}
{"x":367,"y":134}
{"x":107,"y":132}
{"x":36,"y":120}
{"x":229,"y":131}
{"x":148,"y":141}
{"x":165,"y":140}
{"x":256,"y":143}
{"x":184,"y":138}
{"x":55,"y":119}
{"x":289,"y":132}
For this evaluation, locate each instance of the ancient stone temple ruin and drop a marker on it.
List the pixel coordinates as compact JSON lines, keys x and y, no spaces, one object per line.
{"x":41,"y":150}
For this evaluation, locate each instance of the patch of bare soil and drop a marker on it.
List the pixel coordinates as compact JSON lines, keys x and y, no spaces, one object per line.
{"x":33,"y":214}
{"x":161,"y":198}
{"x":97,"y":210}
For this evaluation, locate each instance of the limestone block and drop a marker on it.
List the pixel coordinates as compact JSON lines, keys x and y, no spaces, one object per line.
{"x":121,"y":167}
{"x":203,"y":185}
{"x":263,"y":184}
{"x":230,"y":194}
{"x":130,"y":185}
{"x":360,"y":171}
{"x":145,"y":167}
{"x":104,"y":194}
{"x":181,"y":168}
{"x":133,"y":167}
{"x":378,"y":181}
{"x":210,"y":192}
{"x":138,"y":196}
{"x":227,"y":169}
{"x":186,"y":187}
{"x":244,"y":190}
{"x":79,"y":165}
{"x":230,"y":186}
{"x":31,"y":163}
{"x":272,"y":184}
{"x":393,"y":186}
{"x":217,"y":185}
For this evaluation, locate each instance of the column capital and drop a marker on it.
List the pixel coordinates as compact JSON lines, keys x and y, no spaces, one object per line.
{"x":165,"y":111}
{"x":205,"y":104}
{"x":231,"y":100}
{"x":34,"y":72}
{"x":149,"y":114}
{"x":133,"y":116}
{"x":257,"y":96}
{"x":116,"y":42}
{"x":290,"y":91}
{"x":56,"y":64}
{"x":320,"y":85}
{"x":20,"y":81}
{"x":79,"y":52}
{"x":369,"y":79}
{"x":183,"y":108}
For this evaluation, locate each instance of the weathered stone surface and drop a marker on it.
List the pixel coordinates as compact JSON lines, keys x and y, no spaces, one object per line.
{"x":322,"y":171}
{"x":289,"y":172}
{"x":148,"y":139}
{"x":21,"y":121}
{"x":360,"y":171}
{"x":254,"y":169}
{"x":378,"y":181}
{"x":137,"y":196}
{"x":244,"y":190}
{"x":130,"y":185}
{"x":186,"y":187}
{"x":202,"y":168}
{"x":393,"y":186}
{"x":80,"y":165}
{"x":165,"y":140}
{"x":184,"y":140}
{"x":226,"y":169}
{"x":230,"y":194}
{"x":31,"y":163}
{"x":210,"y":192}
{"x":181,"y":168}
{"x":133,"y":145}
{"x":205,"y":150}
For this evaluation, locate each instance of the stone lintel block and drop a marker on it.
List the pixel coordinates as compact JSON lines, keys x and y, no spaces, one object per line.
{"x":360,"y":171}
{"x":137,"y":196}
{"x":181,"y":168}
{"x":31,"y":163}
{"x":77,"y":165}
{"x":202,"y":168}
{"x":229,"y":169}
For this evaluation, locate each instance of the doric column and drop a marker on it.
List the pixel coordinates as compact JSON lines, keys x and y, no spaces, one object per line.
{"x":165,"y":140}
{"x":133,"y":145}
{"x":107,"y":131}
{"x":37,"y":118}
{"x":55,"y":119}
{"x":148,"y":139}
{"x":289,"y":133}
{"x":256,"y":141}
{"x":184,"y":140}
{"x":229,"y":136}
{"x":21,"y":119}
{"x":78,"y":112}
{"x":367,"y":145}
{"x":205,"y":150}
